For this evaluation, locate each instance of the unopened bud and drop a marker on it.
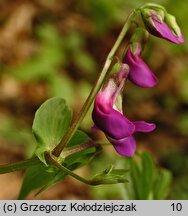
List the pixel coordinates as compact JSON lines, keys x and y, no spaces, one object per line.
{"x":138,"y":38}
{"x":112,"y":176}
{"x":161,"y":24}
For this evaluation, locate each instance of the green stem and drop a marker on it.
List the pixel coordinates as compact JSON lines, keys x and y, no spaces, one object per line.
{"x":19,"y":165}
{"x":95,"y":181}
{"x":69,"y":172}
{"x":59,"y":148}
{"x":77,"y":148}
{"x":22,"y":165}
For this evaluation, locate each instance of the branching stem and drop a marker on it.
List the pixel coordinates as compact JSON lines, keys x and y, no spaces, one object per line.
{"x":59,"y":148}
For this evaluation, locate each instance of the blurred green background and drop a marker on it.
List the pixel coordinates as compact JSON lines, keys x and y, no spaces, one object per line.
{"x":57,"y":48}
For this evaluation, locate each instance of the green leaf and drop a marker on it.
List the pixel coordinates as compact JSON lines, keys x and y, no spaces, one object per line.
{"x":147,"y":181}
{"x":147,"y":175}
{"x":142,"y":175}
{"x":41,"y":176}
{"x":78,"y":138}
{"x":161,"y":184}
{"x":58,"y":176}
{"x":75,"y":160}
{"x":110,"y":176}
{"x":36,"y":176}
{"x":83,"y":156}
{"x":50,"y":124}
{"x":135,"y":172}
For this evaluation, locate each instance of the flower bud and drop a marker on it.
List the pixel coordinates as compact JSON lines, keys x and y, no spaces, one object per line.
{"x":161,"y":24}
{"x":138,"y":38}
{"x":112,"y":176}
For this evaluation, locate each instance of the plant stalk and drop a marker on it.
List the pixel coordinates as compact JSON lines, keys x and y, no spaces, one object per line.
{"x":50,"y":159}
{"x":59,"y":148}
{"x":21,"y":165}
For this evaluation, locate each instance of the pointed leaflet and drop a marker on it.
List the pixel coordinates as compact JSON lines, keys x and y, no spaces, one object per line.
{"x":36,"y":176}
{"x":40,"y":176}
{"x":142,"y":175}
{"x":74,"y":160}
{"x":162,"y":181}
{"x":50,"y":124}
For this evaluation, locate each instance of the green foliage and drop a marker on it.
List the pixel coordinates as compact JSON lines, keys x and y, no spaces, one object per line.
{"x":110,"y":176}
{"x":148,"y":181}
{"x":47,"y":60}
{"x":177,"y":162}
{"x":50,"y":124}
{"x":142,"y":170}
{"x":42,"y":176}
{"x":16,"y":134}
{"x":79,"y":137}
{"x":161,"y":184}
{"x":61,"y":62}
{"x":80,"y":154}
{"x":36,"y":176}
{"x":145,"y":179}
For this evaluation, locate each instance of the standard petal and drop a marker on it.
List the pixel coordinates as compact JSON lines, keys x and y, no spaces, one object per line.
{"x":139,"y":74}
{"x":112,"y":123}
{"x":142,"y":126}
{"x":125,"y":147}
{"x":163,"y":31}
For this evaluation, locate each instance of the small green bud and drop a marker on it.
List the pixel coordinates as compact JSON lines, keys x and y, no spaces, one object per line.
{"x":138,"y":38}
{"x":116,"y":67}
{"x":139,"y":35}
{"x":110,"y":176}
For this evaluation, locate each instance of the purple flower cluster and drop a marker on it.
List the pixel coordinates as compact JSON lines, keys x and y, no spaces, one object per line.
{"x":109,"y":117}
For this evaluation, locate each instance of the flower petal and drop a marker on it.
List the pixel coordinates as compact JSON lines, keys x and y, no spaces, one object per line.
{"x":163,"y":31}
{"x":112,"y":123}
{"x":142,"y":126}
{"x":139,"y":74}
{"x":125,"y":147}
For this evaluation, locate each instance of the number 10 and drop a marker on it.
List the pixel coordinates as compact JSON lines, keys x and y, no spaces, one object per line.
{"x":176,"y":206}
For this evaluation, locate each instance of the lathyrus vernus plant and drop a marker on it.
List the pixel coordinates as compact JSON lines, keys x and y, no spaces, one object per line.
{"x":62,"y":147}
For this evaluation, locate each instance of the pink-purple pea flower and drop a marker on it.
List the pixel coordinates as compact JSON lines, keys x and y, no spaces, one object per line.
{"x":164,"y":27}
{"x":109,"y":118}
{"x":162,"y":30}
{"x":139,"y":73}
